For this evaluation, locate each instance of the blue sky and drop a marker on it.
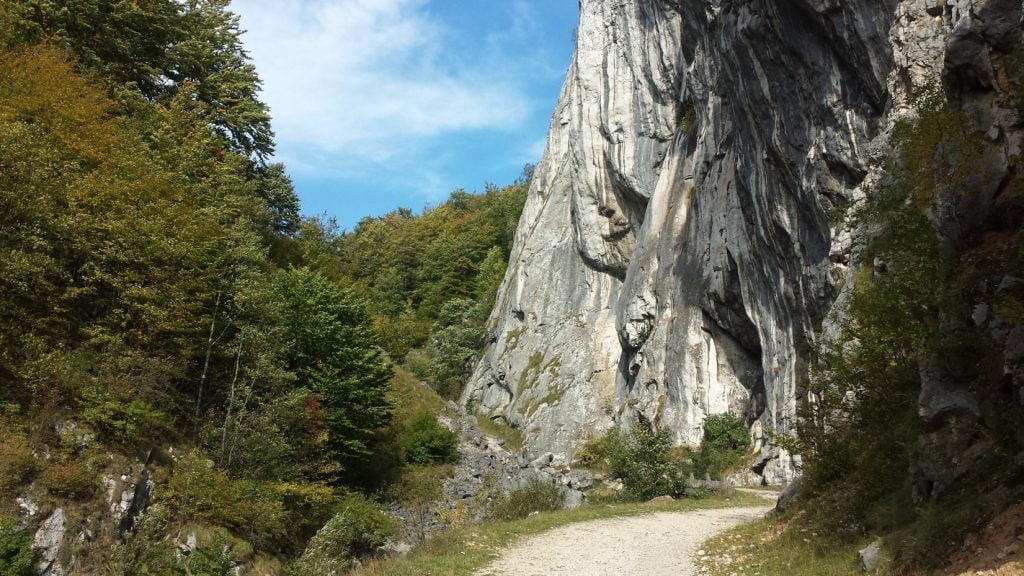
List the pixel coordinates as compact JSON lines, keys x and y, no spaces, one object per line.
{"x":385,"y":103}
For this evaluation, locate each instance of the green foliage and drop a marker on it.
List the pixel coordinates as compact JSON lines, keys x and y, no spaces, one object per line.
{"x":407,"y":267}
{"x":357,"y":531}
{"x":197,"y":491}
{"x":427,"y":442}
{"x":536,"y":496}
{"x":488,"y":280}
{"x":333,"y":354}
{"x":454,"y":342}
{"x":16,"y":556}
{"x":861,"y":432}
{"x":146,"y":550}
{"x":723,"y":446}
{"x":643,"y":461}
{"x":153,"y":48}
{"x":157,"y":285}
{"x":213,"y":558}
{"x":121,"y":420}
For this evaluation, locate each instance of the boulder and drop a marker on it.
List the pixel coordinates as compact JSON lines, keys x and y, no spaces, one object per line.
{"x":870,"y":555}
{"x":787,"y":495}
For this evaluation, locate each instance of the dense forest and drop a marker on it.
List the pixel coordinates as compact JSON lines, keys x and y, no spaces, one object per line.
{"x":165,"y":310}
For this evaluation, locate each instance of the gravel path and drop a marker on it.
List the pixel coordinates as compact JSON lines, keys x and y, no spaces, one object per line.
{"x":658,"y":544}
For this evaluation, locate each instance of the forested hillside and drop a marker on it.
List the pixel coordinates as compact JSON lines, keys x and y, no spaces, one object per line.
{"x":174,"y":338}
{"x":430,"y":281}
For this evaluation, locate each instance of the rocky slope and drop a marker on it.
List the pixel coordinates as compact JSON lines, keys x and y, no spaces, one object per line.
{"x":682,"y":241}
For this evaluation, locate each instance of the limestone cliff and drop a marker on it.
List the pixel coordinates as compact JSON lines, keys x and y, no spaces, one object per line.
{"x":679,"y":247}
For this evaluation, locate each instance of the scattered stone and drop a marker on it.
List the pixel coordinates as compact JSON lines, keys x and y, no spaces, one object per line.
{"x":189,"y":545}
{"x":543,"y":460}
{"x":27,"y":506}
{"x":574,"y":499}
{"x":870,"y":555}
{"x":660,"y":500}
{"x":580,"y":479}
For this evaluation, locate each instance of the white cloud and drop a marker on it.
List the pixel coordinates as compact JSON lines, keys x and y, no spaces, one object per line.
{"x":365,"y":80}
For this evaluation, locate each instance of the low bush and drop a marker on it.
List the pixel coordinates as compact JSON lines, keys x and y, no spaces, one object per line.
{"x":217,"y":554}
{"x":643,"y":461}
{"x":536,"y":496}
{"x":593,"y":455}
{"x":198,"y":491}
{"x":427,"y":442}
{"x":357,"y":531}
{"x":146,"y":548}
{"x":118,"y":416}
{"x":723,"y":446}
{"x":16,"y":556}
{"x":70,"y":479}
{"x":17,"y":463}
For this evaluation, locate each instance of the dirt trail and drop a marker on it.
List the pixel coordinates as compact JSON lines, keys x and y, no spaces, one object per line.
{"x":658,"y":544}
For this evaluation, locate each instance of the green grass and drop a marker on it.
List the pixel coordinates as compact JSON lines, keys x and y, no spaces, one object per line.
{"x":775,"y":547}
{"x":461,"y":552}
{"x":411,"y":398}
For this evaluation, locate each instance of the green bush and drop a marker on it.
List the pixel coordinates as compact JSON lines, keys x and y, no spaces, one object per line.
{"x":427,"y":442}
{"x":16,"y":556}
{"x":210,"y":561}
{"x":643,"y":461}
{"x":723,"y":446}
{"x":358,"y":530}
{"x":118,"y":416}
{"x":536,"y":496}
{"x":198,"y":491}
{"x":146,"y":548}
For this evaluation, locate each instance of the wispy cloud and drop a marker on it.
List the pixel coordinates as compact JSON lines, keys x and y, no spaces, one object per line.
{"x":354,"y":81}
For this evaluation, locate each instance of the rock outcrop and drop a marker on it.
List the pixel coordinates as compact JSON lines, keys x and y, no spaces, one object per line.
{"x":486,"y":470}
{"x":681,"y":244}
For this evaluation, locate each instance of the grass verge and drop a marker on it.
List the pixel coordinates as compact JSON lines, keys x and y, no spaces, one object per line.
{"x":783,"y":546}
{"x":461,"y":552}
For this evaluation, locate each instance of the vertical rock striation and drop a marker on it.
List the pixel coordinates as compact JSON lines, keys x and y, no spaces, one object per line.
{"x":680,"y":244}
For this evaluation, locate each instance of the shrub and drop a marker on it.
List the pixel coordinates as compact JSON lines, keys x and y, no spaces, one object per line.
{"x":359,"y":530}
{"x":17,"y":463}
{"x":427,"y":442}
{"x":118,"y":416}
{"x":593,"y":455}
{"x":16,"y":556}
{"x":536,"y":496}
{"x":199,"y":491}
{"x":213,"y":560}
{"x":146,"y":548}
{"x":643,"y":462}
{"x":69,"y":479}
{"x":724,"y":444}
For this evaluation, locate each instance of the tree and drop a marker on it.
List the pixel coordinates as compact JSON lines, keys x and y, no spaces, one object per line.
{"x":332,"y":352}
{"x":455,"y":340}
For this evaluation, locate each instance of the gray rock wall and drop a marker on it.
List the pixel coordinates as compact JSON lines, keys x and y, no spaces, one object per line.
{"x":680,"y":247}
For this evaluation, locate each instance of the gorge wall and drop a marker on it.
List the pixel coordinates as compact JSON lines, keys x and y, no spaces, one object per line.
{"x":683,"y":238}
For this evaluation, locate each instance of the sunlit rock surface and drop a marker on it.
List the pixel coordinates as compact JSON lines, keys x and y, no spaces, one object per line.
{"x":681,"y":244}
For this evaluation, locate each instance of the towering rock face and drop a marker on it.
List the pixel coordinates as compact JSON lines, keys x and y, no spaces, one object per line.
{"x":679,"y":248}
